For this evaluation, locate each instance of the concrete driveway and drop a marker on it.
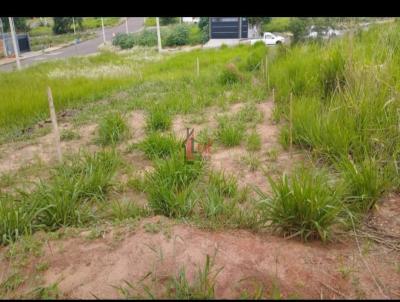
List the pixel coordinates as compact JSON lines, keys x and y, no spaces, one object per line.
{"x":84,"y":48}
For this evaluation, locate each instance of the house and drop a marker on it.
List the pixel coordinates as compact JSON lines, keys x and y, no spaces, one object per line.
{"x":7,"y":46}
{"x":190,"y":19}
{"x":228,"y":28}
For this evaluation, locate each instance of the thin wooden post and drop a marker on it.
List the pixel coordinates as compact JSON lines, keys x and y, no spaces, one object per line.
{"x":291,"y":125}
{"x":198,"y":67}
{"x":55,"y":125}
{"x":266,"y":71}
{"x":273,"y":95}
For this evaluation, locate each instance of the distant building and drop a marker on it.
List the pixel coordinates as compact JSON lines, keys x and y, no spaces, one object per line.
{"x":190,"y":19}
{"x":228,"y":28}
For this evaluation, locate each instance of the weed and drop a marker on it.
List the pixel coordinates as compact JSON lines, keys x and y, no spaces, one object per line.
{"x":46,"y":292}
{"x":250,"y":114}
{"x":303,"y":205}
{"x":158,"y":118}
{"x":41,"y":267}
{"x":230,"y":133}
{"x":170,"y":185}
{"x":230,"y":75}
{"x":225,"y":185}
{"x":253,"y":142}
{"x":126,"y":210}
{"x":69,"y":135}
{"x":112,"y":129}
{"x":157,"y":145}
{"x":252,"y":161}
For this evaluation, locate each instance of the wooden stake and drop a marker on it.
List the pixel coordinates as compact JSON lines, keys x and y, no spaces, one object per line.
{"x":54,"y":122}
{"x":273,"y":95}
{"x":291,"y":124}
{"x":198,"y":67}
{"x":266,"y":71}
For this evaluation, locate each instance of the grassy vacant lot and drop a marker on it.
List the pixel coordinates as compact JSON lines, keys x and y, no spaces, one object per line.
{"x":23,"y":98}
{"x":344,"y":114}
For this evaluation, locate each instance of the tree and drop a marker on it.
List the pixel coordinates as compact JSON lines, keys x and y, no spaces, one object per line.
{"x":299,"y":27}
{"x":19,"y":23}
{"x":168,"y":20}
{"x":62,"y":25}
{"x":204,"y":27}
{"x":258,"y":21}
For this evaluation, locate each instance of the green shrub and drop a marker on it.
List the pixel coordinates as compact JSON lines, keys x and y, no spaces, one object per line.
{"x":157,"y":145}
{"x":158,"y":118}
{"x":178,"y":36}
{"x":230,"y":75}
{"x":302,"y":205}
{"x":170,"y":186}
{"x":195,"y":35}
{"x":256,"y":58}
{"x":230,"y":132}
{"x":112,"y":129}
{"x":150,"y":21}
{"x":277,"y":24}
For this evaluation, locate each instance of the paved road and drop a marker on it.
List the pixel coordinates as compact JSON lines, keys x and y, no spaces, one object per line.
{"x":84,"y":48}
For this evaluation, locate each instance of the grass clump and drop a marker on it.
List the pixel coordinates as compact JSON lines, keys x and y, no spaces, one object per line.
{"x":253,"y":142}
{"x":230,"y":132}
{"x":69,"y":135}
{"x":170,"y":185}
{"x":230,"y":75}
{"x":303,"y":205}
{"x":158,"y":145}
{"x":112,"y":129}
{"x":250,"y":114}
{"x":225,"y":185}
{"x":63,"y":200}
{"x":158,"y":119}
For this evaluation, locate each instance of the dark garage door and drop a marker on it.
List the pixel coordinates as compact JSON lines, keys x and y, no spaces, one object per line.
{"x":228,"y":28}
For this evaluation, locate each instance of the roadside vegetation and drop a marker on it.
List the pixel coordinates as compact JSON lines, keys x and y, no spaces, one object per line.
{"x":343,"y":113}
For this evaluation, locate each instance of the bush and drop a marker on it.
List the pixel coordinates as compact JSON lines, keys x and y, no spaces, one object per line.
{"x":123,"y":40}
{"x":230,"y":75}
{"x":62,"y":25}
{"x":277,"y":24}
{"x":178,"y":36}
{"x":170,"y":186}
{"x":168,"y":20}
{"x":302,"y":205}
{"x":112,"y":129}
{"x":256,"y":58}
{"x":150,"y":21}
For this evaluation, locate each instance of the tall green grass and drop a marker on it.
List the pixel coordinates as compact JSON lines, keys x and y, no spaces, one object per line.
{"x":345,"y":111}
{"x":146,"y":76}
{"x":112,"y":129}
{"x":170,"y":185}
{"x":302,"y":205}
{"x":63,"y":200}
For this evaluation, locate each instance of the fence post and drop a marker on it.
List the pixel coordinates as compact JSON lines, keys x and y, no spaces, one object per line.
{"x":198,"y":67}
{"x":291,"y":124}
{"x":55,"y":126}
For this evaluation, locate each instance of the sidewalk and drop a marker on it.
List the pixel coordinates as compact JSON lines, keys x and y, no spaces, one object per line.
{"x":31,"y":54}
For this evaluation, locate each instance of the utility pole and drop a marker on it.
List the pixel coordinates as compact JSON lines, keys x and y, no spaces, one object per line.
{"x":2,"y":37}
{"x":126,"y":25}
{"x":158,"y":34}
{"x":73,"y":21}
{"x":14,"y":40}
{"x":104,"y":33}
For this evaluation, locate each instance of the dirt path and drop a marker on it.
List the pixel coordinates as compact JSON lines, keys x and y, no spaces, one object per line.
{"x":86,"y":268}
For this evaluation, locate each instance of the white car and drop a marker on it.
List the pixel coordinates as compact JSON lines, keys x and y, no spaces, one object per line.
{"x":269,"y":39}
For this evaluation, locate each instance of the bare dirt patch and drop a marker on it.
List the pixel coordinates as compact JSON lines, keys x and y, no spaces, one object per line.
{"x":87,"y":268}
